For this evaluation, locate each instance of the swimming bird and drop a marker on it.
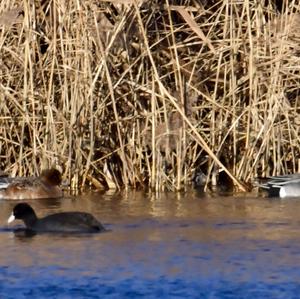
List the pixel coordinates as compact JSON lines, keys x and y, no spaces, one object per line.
{"x":44,"y":186}
{"x":282,"y":185}
{"x":65,"y":222}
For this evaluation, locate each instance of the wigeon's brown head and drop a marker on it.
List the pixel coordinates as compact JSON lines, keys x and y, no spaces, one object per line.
{"x":51,"y":177}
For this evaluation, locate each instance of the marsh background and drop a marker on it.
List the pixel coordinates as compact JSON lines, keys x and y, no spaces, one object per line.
{"x":149,"y":93}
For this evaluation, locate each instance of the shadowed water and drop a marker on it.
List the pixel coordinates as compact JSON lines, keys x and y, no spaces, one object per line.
{"x":166,"y":246}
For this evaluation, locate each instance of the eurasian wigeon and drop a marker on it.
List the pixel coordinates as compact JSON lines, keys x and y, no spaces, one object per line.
{"x":47,"y":185}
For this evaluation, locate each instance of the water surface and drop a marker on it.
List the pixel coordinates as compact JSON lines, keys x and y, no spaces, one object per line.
{"x":158,"y":246}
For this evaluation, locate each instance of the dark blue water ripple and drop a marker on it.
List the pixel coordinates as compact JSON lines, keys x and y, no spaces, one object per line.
{"x":51,"y":285}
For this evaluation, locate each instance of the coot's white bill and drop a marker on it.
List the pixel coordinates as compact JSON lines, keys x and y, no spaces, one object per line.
{"x":11,"y":218}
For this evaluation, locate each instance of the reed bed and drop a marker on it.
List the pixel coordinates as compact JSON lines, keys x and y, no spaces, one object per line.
{"x":137,"y":94}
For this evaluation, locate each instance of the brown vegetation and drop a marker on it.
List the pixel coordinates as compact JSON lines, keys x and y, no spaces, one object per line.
{"x":149,"y":93}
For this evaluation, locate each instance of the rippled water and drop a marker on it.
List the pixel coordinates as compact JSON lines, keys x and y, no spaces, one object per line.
{"x":166,"y":246}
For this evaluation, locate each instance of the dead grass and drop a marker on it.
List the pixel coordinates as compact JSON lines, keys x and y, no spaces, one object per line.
{"x":147,"y":93}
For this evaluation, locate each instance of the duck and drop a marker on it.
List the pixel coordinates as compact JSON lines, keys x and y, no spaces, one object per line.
{"x":64,"y":222}
{"x":47,"y":185}
{"x":282,"y":186}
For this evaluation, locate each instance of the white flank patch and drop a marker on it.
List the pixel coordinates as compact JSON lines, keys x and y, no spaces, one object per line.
{"x":282,"y":192}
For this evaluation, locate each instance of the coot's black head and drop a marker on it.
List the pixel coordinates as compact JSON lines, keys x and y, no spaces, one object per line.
{"x":22,"y":211}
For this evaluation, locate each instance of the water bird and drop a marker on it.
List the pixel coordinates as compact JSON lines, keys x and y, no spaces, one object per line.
{"x":47,"y":185}
{"x":65,"y":222}
{"x":282,"y":185}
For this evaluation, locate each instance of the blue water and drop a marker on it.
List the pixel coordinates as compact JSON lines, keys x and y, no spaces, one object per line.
{"x":165,"y":247}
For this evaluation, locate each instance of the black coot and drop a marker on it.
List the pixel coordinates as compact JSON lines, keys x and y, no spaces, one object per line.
{"x":70,"y":222}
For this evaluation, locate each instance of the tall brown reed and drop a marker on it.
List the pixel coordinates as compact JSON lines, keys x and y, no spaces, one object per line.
{"x":147,"y":93}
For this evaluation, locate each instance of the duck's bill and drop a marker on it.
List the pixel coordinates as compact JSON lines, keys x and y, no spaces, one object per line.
{"x":11,"y":218}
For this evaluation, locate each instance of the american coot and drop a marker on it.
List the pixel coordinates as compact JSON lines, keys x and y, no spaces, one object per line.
{"x":68,"y":222}
{"x":44,"y":186}
{"x":282,"y":185}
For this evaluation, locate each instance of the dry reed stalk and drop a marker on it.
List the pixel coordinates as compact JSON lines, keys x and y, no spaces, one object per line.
{"x":138,"y":93}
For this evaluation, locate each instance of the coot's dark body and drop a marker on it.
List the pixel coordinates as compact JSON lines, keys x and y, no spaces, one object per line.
{"x":69,"y":222}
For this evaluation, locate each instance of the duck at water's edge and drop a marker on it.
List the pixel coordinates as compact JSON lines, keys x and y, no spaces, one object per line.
{"x":65,"y":222}
{"x":47,"y":185}
{"x":281,"y":186}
